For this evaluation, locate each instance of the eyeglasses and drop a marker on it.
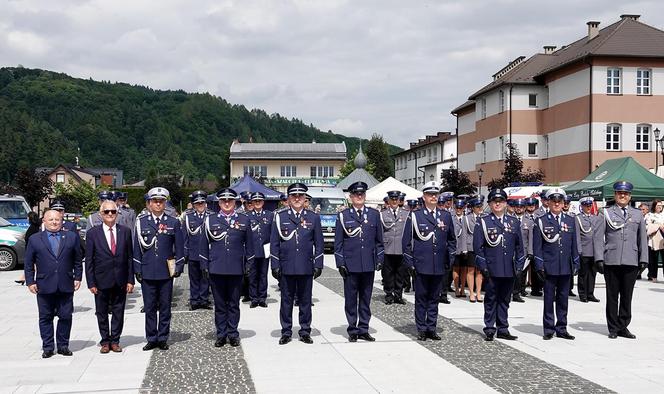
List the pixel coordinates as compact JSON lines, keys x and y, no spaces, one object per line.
{"x":110,"y":211}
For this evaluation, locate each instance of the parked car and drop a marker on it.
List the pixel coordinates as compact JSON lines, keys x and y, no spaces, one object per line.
{"x":327,"y":202}
{"x":12,"y":245}
{"x":14,"y":209}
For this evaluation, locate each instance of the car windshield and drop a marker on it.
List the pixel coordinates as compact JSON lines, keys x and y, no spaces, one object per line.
{"x":327,"y":205}
{"x":13,"y":209}
{"x":4,"y":223}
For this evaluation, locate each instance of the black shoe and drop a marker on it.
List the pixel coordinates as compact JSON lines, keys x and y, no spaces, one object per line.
{"x":220,"y":342}
{"x":622,"y":333}
{"x":297,"y":302}
{"x":422,"y":336}
{"x":433,"y":335}
{"x":150,"y":346}
{"x":352,"y":337}
{"x":593,"y":299}
{"x":235,"y":342}
{"x":284,"y":339}
{"x":193,"y":307}
{"x":488,"y":337}
{"x":613,"y":335}
{"x":571,"y":294}
{"x":565,"y":335}
{"x":400,"y":301}
{"x":388,"y":301}
{"x":366,"y":337}
{"x":163,"y":345}
{"x":48,"y":354}
{"x":22,"y":282}
{"x":65,"y":351}
{"x":547,"y":337}
{"x":207,"y":306}
{"x":246,"y":299}
{"x":536,"y":293}
{"x":142,"y":309}
{"x":506,"y":336}
{"x":517,"y":298}
{"x":523,"y":293}
{"x":254,"y":304}
{"x":306,"y":339}
{"x":406,"y":289}
{"x":262,"y":304}
{"x":584,"y":300}
{"x":443,"y":299}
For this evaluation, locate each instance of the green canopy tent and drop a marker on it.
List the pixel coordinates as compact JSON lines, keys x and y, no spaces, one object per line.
{"x":599,"y":183}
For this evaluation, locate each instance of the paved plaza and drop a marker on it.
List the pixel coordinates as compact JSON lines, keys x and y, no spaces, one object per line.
{"x":461,"y":362}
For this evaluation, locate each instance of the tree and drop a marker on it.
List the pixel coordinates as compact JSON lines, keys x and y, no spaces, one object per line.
{"x":457,"y":181}
{"x":378,"y":154}
{"x":78,"y":197}
{"x":513,"y":171}
{"x":170,"y":183}
{"x":33,"y":185}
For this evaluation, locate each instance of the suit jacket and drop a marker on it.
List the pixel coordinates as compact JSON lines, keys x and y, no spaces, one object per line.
{"x":505,"y":258}
{"x":619,"y":240}
{"x":193,"y":232}
{"x":55,"y":272}
{"x":296,"y":246}
{"x":233,"y":246}
{"x":361,"y":252}
{"x":586,"y":225}
{"x":150,"y":256}
{"x":103,"y":269}
{"x":459,"y":233}
{"x":468,"y":230}
{"x":393,"y":226}
{"x":560,"y":257}
{"x":261,"y":225}
{"x":435,"y":255}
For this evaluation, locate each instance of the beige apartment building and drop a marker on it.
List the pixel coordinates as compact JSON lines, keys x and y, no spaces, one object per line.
{"x":568,"y":110}
{"x":280,"y":164}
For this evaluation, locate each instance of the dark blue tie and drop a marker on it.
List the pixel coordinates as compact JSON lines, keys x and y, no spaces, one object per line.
{"x":54,"y":240}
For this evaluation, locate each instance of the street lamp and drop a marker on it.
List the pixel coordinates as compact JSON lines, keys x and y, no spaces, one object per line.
{"x":480,"y":172}
{"x":661,"y":148}
{"x":656,"y":133}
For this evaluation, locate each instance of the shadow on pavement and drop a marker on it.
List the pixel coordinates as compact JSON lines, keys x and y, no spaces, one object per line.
{"x":591,"y":327}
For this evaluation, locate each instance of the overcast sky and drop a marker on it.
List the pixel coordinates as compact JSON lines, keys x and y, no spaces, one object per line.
{"x":356,"y":67}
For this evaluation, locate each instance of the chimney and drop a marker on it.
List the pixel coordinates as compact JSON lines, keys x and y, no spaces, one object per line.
{"x":633,"y":17}
{"x":549,"y":49}
{"x":593,"y":29}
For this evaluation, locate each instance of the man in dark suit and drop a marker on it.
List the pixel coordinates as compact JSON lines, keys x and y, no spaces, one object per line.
{"x":109,"y":272}
{"x":53,"y":271}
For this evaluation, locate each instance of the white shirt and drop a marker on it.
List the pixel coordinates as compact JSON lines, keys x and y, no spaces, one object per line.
{"x":107,"y":234}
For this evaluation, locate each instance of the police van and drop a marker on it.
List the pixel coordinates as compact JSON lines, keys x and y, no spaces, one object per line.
{"x":327,"y":202}
{"x":14,"y":209}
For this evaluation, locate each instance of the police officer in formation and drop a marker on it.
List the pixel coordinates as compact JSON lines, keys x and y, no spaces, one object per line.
{"x":498,"y":246}
{"x":556,"y":260}
{"x":194,"y":220}
{"x":394,"y":271}
{"x":296,"y":258}
{"x":526,"y":225}
{"x":621,"y":248}
{"x":127,"y":214}
{"x":59,"y":207}
{"x":586,"y":225}
{"x":460,"y":264}
{"x":358,"y":252}
{"x":445,"y":202}
{"x":227,"y":253}
{"x":261,"y":225}
{"x":474,"y":278}
{"x":532,"y":205}
{"x":429,"y":247}
{"x":157,"y":239}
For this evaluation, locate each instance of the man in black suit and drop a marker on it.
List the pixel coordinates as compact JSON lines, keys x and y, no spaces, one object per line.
{"x":109,"y":272}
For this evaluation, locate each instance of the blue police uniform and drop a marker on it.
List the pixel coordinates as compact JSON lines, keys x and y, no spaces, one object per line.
{"x":227,"y":251}
{"x":499,"y":254}
{"x":296,"y":254}
{"x":156,"y":240}
{"x":556,"y":260}
{"x":358,"y":248}
{"x":199,"y":286}
{"x":261,"y":225}
{"x":429,"y":247}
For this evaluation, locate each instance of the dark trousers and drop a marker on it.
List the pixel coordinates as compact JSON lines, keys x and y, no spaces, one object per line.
{"x":556,"y":289}
{"x":295,"y":286}
{"x":357,"y":295}
{"x":620,"y":280}
{"x":497,"y":297}
{"x":226,"y":294}
{"x":519,"y":284}
{"x":157,"y":293}
{"x":427,"y":292}
{"x":199,"y":287}
{"x":586,"y":279}
{"x":535,"y":283}
{"x":394,"y":274}
{"x":112,"y":299}
{"x":51,"y":305}
{"x":258,"y":280}
{"x":653,"y":258}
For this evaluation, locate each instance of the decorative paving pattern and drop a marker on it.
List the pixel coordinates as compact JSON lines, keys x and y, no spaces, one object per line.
{"x":193,"y":364}
{"x":499,"y":366}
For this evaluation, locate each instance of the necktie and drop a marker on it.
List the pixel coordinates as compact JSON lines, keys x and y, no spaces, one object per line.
{"x":54,"y":240}
{"x":558,"y":219}
{"x":624,"y":209}
{"x":156,"y":220}
{"x":297,"y":215}
{"x":113,"y":245}
{"x":359,"y":213}
{"x":394,"y":213}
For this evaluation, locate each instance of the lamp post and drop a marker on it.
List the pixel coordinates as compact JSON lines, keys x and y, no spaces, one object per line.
{"x":661,"y":148}
{"x":480,"y":172}
{"x":656,"y":133}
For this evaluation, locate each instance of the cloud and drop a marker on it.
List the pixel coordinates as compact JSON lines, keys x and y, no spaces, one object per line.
{"x":346,"y":126}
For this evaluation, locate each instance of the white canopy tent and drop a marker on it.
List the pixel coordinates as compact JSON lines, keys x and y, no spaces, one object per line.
{"x":376,"y":194}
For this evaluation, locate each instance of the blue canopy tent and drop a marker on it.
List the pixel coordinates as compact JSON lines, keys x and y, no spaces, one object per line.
{"x":248,"y":184}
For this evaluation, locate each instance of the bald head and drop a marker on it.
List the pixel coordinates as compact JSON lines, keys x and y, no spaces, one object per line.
{"x":52,"y":220}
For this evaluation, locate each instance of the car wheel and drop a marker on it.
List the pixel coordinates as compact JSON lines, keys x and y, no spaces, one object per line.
{"x":8,"y":259}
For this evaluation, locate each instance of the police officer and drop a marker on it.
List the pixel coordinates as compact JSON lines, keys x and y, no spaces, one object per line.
{"x":95,"y":218}
{"x":394,"y":273}
{"x":460,"y":268}
{"x":566,"y":210}
{"x":556,"y":260}
{"x":543,"y":209}
{"x":128,"y":214}
{"x":402,"y":200}
{"x":621,"y":248}
{"x":296,"y":258}
{"x":526,"y":225}
{"x":358,"y":252}
{"x":261,"y":225}
{"x":59,"y":206}
{"x":194,"y":219}
{"x":429,"y":247}
{"x":499,"y":256}
{"x":586,"y":225}
{"x":474,"y":278}
{"x":532,"y":203}
{"x":226,"y":253}
{"x":158,"y":238}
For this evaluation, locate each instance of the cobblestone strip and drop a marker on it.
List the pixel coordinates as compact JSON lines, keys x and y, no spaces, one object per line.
{"x":193,"y":364}
{"x":500,"y":366}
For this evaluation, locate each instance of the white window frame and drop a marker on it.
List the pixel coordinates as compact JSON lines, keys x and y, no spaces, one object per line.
{"x":483,"y":108}
{"x":610,"y":143}
{"x":643,"y":83}
{"x":613,"y":80}
{"x":483,"y":151}
{"x":60,"y":177}
{"x":642,"y":137}
{"x":501,"y":147}
{"x":501,"y":100}
{"x":546,"y":146}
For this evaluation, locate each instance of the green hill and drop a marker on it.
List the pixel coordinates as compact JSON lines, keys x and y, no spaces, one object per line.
{"x":46,"y":117}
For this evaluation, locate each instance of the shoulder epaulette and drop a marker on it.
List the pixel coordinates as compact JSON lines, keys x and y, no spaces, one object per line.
{"x":142,"y":215}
